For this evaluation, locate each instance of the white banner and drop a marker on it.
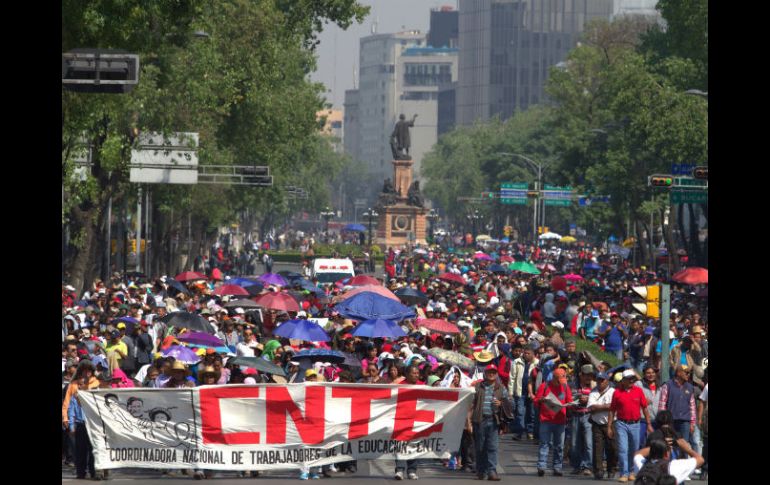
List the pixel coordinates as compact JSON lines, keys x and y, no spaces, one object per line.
{"x":272,"y":426}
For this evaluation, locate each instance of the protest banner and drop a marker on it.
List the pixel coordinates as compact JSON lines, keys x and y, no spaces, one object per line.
{"x":272,"y":426}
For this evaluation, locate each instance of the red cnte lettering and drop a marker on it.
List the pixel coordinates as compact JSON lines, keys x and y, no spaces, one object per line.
{"x":407,"y":413}
{"x":311,"y":427}
{"x":211,"y":416}
{"x":360,"y":407}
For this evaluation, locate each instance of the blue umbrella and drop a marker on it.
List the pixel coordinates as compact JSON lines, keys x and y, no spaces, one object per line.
{"x":355,"y":228}
{"x":172,"y":283}
{"x":302,"y":330}
{"x":320,"y":355}
{"x":591,"y":267}
{"x":242,"y":282}
{"x":307,"y":285}
{"x":370,"y":306}
{"x":498,"y":268}
{"x":378,"y":328}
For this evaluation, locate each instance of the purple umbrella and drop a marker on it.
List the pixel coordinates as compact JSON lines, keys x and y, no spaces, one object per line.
{"x":273,"y":279}
{"x":201,"y":338}
{"x":302,"y":330}
{"x":182,"y":354}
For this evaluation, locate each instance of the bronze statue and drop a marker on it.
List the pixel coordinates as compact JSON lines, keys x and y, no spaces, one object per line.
{"x":400,"y":140}
{"x":388,"y":187}
{"x":414,"y":196}
{"x":388,"y":194}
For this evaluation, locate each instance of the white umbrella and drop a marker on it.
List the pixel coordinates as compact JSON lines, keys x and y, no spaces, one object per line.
{"x":550,"y":235}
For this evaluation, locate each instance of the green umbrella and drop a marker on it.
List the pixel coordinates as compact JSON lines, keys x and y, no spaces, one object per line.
{"x":524,"y":267}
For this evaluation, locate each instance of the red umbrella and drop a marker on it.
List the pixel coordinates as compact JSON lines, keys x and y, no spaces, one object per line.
{"x":452,"y":278}
{"x":692,"y":276}
{"x":573,"y":277}
{"x":546,"y":267}
{"x":190,"y":276}
{"x":362,"y":280}
{"x":216,"y":275}
{"x":437,"y":325}
{"x":506,"y":259}
{"x":278,"y":301}
{"x":230,"y":290}
{"x":559,"y":284}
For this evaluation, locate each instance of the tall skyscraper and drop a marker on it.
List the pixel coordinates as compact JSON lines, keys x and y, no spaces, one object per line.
{"x":507,"y":48}
{"x":443,"y":27}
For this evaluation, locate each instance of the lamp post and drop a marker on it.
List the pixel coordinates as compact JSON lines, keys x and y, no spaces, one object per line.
{"x":432,"y":217}
{"x":327,"y":214}
{"x":370,"y":214}
{"x":473,"y":217}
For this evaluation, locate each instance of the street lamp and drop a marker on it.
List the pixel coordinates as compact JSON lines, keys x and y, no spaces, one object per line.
{"x":327,"y":214}
{"x":473,"y":217}
{"x":432,"y":217}
{"x":697,"y":92}
{"x":371,"y":214}
{"x":538,"y":167}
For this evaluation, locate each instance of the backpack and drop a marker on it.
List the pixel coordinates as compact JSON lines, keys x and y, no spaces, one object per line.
{"x":651,"y":473}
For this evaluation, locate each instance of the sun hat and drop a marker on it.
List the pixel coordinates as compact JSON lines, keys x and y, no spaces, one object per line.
{"x":209,"y":369}
{"x":483,"y":356}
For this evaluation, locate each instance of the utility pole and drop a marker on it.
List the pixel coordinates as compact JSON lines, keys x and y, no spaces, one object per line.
{"x":106,"y":273}
{"x":665,"y":310}
{"x":139,"y":230}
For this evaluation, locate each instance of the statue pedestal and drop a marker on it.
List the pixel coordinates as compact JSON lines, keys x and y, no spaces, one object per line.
{"x":401,"y":224}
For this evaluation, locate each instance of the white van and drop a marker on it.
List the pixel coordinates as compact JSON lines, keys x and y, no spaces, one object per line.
{"x":332,"y":270}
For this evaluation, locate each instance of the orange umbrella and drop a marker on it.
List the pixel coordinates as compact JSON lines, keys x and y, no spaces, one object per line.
{"x":692,"y":276}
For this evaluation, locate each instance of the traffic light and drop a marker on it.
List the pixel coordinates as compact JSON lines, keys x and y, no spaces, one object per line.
{"x":701,"y":173}
{"x":651,"y":295}
{"x":660,"y":180}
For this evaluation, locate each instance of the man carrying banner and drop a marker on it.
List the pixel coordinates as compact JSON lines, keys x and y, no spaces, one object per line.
{"x":412,"y":376}
{"x":485,"y":416}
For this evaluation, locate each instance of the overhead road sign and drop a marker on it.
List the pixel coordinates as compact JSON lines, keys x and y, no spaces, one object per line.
{"x":679,"y":196}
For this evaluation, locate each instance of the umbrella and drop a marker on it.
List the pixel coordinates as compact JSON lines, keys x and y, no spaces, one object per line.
{"x":193,"y":321}
{"x":550,"y":235}
{"x":130,"y":323}
{"x":437,"y":325}
{"x":230,"y":290}
{"x":201,"y":338}
{"x":362,"y":280}
{"x":546,"y":267}
{"x":379,"y":289}
{"x":591,"y":267}
{"x":452,"y":358}
{"x":307,"y":286}
{"x":573,"y":277}
{"x":567,"y":239}
{"x":255,"y":289}
{"x":273,"y":279}
{"x":278,"y":301}
{"x":321,"y":355}
{"x":178,"y":286}
{"x":483,"y":237}
{"x":302,"y":330}
{"x":351,"y":360}
{"x":354,"y":228}
{"x":182,"y":354}
{"x":368,"y":305}
{"x":190,"y":276}
{"x":378,"y":328}
{"x":242,"y":303}
{"x":524,"y":267}
{"x":243,"y":282}
{"x":216,"y":275}
{"x":498,"y":268}
{"x":507,"y":259}
{"x":258,"y":363}
{"x":411,"y":296}
{"x":483,"y":257}
{"x":290,"y":275}
{"x":692,"y":276}
{"x":452,"y":278}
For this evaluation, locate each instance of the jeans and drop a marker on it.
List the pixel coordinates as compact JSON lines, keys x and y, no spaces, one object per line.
{"x":581,"y":443}
{"x":84,"y":452}
{"x":409,"y":465}
{"x":551,"y":436}
{"x":523,"y":412}
{"x":695,"y":440}
{"x":600,"y":442}
{"x":467,"y":450}
{"x":642,"y":434}
{"x":485,"y":435}
{"x":683,"y":428}
{"x":617,"y":353}
{"x":627,"y":439}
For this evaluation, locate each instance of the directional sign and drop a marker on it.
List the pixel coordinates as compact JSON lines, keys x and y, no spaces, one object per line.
{"x":689,"y":196}
{"x":559,"y":196}
{"x":513,"y":193}
{"x":682,"y":168}
{"x":690,"y":182}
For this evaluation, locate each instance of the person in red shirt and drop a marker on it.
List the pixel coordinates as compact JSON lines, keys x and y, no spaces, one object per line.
{"x":553,"y":420}
{"x":628,"y":404}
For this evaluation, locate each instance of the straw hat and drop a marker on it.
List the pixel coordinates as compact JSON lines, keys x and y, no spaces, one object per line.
{"x":483,"y":356}
{"x":180,"y":366}
{"x":209,"y":369}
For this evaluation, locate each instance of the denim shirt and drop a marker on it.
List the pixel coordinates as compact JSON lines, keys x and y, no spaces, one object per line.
{"x":75,"y":413}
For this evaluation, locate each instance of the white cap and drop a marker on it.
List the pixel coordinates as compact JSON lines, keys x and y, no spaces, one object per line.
{"x":69,"y":288}
{"x":629,"y":373}
{"x":301,"y":314}
{"x":558,"y":325}
{"x":463,"y":323}
{"x":674,"y":310}
{"x":239,"y":311}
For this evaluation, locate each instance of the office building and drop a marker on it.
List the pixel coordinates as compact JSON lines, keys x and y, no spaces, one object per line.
{"x":443,"y":27}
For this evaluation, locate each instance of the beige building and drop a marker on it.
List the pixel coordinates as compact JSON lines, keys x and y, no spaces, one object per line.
{"x":333,"y":127}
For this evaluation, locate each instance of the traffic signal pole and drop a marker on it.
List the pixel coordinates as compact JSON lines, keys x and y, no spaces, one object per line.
{"x":665,"y":308}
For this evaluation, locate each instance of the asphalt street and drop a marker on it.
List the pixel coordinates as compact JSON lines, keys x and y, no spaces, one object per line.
{"x":516,"y":462}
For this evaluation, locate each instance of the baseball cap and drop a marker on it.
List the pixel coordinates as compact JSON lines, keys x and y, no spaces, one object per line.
{"x":121,"y":325}
{"x":628,"y":374}
{"x":587,"y":369}
{"x":490,"y":367}
{"x":602,"y":376}
{"x":310,"y":372}
{"x":115,"y":334}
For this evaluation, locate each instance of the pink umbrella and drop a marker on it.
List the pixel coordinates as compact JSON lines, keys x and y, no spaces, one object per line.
{"x":573,"y":277}
{"x":452,"y":278}
{"x":230,"y":290}
{"x":692,"y":276}
{"x":379,"y":289}
{"x":190,"y":276}
{"x":437,"y":325}
{"x":278,"y":301}
{"x":546,"y":267}
{"x":483,"y":256}
{"x":362,"y":280}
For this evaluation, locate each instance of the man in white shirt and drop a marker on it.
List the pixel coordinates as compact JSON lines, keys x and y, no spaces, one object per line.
{"x":246,"y":347}
{"x":659,"y":450}
{"x":599,"y":404}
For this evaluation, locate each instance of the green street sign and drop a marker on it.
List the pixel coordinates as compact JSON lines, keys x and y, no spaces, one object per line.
{"x":690,"y":182}
{"x":513,"y":193}
{"x":563,"y":203}
{"x":556,"y":187}
{"x":689,"y":196}
{"x":514,"y":201}
{"x":514,"y":185}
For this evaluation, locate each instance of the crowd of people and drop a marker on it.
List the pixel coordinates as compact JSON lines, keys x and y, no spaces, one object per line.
{"x":608,"y":412}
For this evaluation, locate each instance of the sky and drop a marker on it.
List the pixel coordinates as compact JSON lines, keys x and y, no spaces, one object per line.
{"x":338,"y":50}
